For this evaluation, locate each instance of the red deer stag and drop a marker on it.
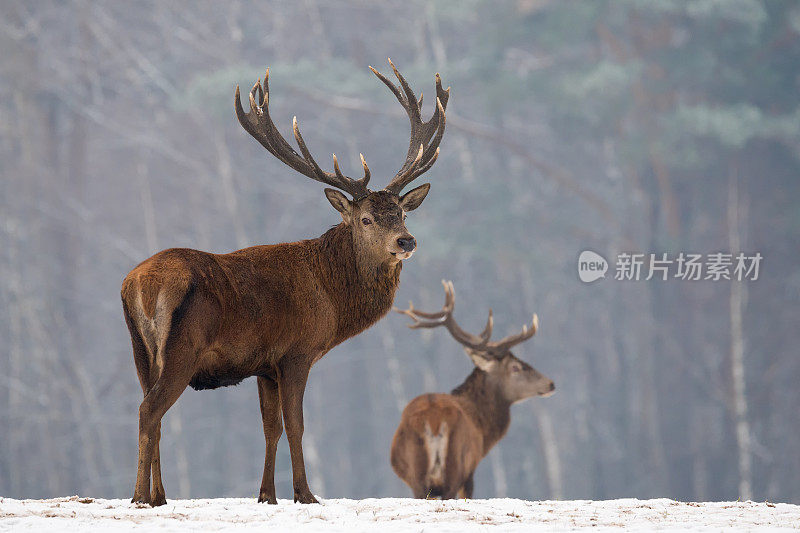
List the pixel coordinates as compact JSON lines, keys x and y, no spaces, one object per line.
{"x":211,"y":320}
{"x":442,"y":437}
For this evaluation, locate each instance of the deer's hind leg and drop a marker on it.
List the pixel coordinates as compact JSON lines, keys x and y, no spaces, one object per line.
{"x":466,"y":489}
{"x":165,"y":392}
{"x":148,"y":371}
{"x":159,"y":496}
{"x":178,"y":359}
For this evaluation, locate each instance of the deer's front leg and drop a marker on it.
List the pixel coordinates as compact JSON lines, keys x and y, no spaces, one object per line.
{"x":271,"y":417}
{"x":292,"y":385}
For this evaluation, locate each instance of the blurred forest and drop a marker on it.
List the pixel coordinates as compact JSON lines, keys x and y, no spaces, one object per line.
{"x":646,"y":126}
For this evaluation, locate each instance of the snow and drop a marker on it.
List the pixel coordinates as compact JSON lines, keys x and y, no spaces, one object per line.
{"x":388,"y":515}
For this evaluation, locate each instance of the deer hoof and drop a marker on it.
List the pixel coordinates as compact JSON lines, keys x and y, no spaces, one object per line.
{"x":140,"y":500}
{"x":306,"y":497}
{"x":266,"y":498}
{"x":159,"y":500}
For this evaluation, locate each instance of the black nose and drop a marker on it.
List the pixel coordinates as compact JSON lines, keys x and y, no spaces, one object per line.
{"x":407,"y":244}
{"x":552,"y":386}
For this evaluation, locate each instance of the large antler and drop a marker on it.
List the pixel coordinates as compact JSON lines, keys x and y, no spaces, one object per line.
{"x":476,"y":342}
{"x":258,"y":123}
{"x":423,"y":149}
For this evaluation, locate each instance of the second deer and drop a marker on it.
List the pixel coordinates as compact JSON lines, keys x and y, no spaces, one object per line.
{"x":442,"y":437}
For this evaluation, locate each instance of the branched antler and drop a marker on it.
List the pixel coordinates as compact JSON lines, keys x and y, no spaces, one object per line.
{"x":480,"y":342}
{"x":423,"y":148}
{"x":445,"y":318}
{"x":422,"y":152}
{"x":258,"y":123}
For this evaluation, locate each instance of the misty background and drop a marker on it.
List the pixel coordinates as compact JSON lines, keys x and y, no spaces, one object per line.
{"x":648,"y":126}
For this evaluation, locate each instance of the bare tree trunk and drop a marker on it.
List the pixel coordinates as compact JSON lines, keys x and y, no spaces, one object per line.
{"x":318,"y":28}
{"x":14,"y":378}
{"x":393,"y":364}
{"x":315,"y":470}
{"x":182,"y":460}
{"x":437,"y":43}
{"x":229,"y":190}
{"x":545,"y":423}
{"x":698,"y":435}
{"x":737,"y":298}
{"x":28,"y":359}
{"x":498,"y":473}
{"x":550,"y":446}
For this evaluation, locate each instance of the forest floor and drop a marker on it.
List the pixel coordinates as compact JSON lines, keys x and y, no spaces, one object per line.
{"x":393,"y":514}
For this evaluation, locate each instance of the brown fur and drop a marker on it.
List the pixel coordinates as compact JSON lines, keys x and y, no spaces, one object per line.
{"x":474,"y":417}
{"x":211,"y":320}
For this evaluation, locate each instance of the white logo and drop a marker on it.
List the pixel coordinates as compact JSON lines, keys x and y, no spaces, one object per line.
{"x":591,"y":266}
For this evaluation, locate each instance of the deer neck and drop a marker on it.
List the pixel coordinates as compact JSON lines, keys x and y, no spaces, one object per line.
{"x":487,"y":406}
{"x":361,"y":289}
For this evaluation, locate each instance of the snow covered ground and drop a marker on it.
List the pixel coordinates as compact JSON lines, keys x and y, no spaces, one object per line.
{"x":392,"y":514}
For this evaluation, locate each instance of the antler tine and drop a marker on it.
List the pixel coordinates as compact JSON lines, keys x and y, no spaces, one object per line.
{"x":307,"y":155}
{"x":512,"y":340}
{"x":486,"y":334}
{"x":423,"y":169}
{"x":392,"y":87}
{"x":263,"y":91}
{"x":410,"y":97}
{"x":367,"y":174}
{"x":476,"y":342}
{"x":425,"y":160}
{"x":431,"y":319}
{"x":258,"y":123}
{"x":423,"y":145}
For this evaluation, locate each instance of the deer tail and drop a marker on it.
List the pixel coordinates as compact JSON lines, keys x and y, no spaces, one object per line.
{"x":436,"y":446}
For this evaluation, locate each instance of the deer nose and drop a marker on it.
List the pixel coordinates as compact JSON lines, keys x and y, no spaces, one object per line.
{"x":407,"y":244}
{"x":552,"y":386}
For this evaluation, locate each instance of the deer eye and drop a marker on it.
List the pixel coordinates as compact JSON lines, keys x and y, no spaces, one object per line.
{"x":366,"y":221}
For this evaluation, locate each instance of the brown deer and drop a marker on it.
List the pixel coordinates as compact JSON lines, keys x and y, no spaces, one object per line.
{"x":211,"y":320}
{"x":442,"y":437}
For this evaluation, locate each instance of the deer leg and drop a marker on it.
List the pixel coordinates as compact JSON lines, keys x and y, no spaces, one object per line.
{"x":165,"y":392}
{"x":159,"y":496}
{"x":141,"y":493}
{"x":420,"y":492}
{"x":147,"y":378}
{"x":450,"y":493}
{"x":466,"y":490}
{"x":292,"y":384}
{"x":271,"y":417}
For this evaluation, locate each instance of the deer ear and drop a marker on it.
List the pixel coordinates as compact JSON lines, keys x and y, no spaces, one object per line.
{"x":411,"y":200}
{"x":481,"y":361}
{"x":340,"y":202}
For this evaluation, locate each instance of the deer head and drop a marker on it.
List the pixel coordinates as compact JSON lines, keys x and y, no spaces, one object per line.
{"x":515,"y":378}
{"x":376,"y":218}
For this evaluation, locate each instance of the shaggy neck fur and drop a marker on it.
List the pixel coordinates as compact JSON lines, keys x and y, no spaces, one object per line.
{"x":361,"y":288}
{"x":487,"y":405}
